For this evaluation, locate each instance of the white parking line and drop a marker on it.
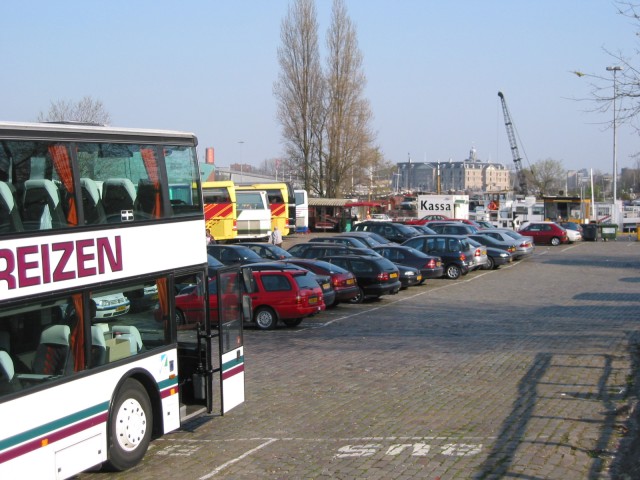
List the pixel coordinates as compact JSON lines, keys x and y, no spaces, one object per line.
{"x":237,"y":459}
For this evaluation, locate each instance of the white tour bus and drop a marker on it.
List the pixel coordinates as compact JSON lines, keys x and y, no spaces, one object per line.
{"x":94,"y":360}
{"x":302,"y":211}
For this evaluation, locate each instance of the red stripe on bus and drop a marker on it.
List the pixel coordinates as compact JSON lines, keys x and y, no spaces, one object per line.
{"x":53,"y":437}
{"x":232,"y":372}
{"x":218,"y":210}
{"x":278,"y":209}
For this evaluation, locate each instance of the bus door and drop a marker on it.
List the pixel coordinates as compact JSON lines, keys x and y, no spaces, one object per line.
{"x":209,"y":324}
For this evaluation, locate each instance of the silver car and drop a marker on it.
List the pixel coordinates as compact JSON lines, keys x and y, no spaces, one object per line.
{"x":524,"y":245}
{"x":479,"y":259}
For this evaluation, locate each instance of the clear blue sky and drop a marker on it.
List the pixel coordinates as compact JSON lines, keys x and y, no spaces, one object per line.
{"x":434,"y":69}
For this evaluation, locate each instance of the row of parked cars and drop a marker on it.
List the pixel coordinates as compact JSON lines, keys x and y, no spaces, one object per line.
{"x":376,"y":258}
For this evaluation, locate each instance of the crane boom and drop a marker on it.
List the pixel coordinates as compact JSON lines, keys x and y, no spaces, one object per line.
{"x":522,"y":181}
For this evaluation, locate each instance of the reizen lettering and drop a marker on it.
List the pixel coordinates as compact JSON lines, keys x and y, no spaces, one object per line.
{"x":33,"y":265}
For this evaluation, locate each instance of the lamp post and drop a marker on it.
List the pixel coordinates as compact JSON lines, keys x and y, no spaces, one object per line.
{"x":615,"y":69}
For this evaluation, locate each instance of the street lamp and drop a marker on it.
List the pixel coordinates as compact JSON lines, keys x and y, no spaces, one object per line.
{"x":615,"y":69}
{"x":241,"y":142}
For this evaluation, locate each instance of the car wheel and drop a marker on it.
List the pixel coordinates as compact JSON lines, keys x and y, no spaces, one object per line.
{"x":491,"y":265}
{"x":130,"y":426}
{"x":265,"y":318}
{"x":453,"y":272}
{"x":358,"y":298}
{"x":180,"y":320}
{"x":555,"y":241}
{"x":292,"y":322}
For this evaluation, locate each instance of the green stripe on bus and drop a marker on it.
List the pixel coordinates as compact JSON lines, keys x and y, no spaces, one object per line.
{"x":43,"y":430}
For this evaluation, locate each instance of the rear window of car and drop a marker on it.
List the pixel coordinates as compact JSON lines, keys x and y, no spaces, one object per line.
{"x":275,"y":282}
{"x":305,"y":280}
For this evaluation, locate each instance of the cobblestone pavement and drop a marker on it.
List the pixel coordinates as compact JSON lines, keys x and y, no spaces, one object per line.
{"x":525,"y":372}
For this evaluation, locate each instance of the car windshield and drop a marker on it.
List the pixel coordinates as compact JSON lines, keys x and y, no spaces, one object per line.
{"x":378,"y":238}
{"x":406,"y":230}
{"x":515,"y":235}
{"x":280,"y":251}
{"x":306,"y":280}
{"x":330,"y":267}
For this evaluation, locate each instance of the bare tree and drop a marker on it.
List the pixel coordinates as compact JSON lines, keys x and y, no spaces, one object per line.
{"x":86,"y":110}
{"x":348,"y":135}
{"x":547,"y":176}
{"x":299,"y":89}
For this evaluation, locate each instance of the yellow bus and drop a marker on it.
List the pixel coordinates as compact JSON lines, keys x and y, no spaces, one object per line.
{"x":220,"y":213}
{"x":281,"y":202}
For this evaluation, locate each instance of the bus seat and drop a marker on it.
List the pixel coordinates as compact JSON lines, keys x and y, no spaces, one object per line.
{"x":6,"y":367}
{"x":118,"y":195}
{"x":53,"y":353}
{"x":146,"y":199}
{"x":91,"y":202}
{"x":9,"y":216}
{"x":41,"y":205}
{"x":129,"y":333}
{"x":98,"y":346}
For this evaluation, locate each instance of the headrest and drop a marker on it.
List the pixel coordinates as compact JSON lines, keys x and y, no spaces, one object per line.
{"x":6,"y":364}
{"x":56,"y":334}
{"x":45,"y":184}
{"x":92,"y":188}
{"x":6,"y":196}
{"x":97,"y":336}
{"x":122,"y":183}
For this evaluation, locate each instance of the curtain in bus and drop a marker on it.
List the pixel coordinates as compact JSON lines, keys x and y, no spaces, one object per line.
{"x":151,"y":166}
{"x":77,"y":334}
{"x":163,"y":300}
{"x":62,"y":164}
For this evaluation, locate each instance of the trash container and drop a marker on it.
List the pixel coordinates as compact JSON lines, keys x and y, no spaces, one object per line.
{"x":590,"y":232}
{"x":608,"y":231}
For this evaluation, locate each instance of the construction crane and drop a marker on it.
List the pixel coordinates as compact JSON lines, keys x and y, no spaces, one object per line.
{"x":522,"y":181}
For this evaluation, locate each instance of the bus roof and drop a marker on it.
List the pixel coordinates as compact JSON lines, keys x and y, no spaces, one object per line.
{"x":74,"y":131}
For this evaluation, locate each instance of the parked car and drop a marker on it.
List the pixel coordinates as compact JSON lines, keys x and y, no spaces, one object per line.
{"x":485,"y":224}
{"x":143,"y":298}
{"x":429,"y":265}
{"x":268,"y":251}
{"x":350,"y":241}
{"x":422,"y":229}
{"x":426,"y":219}
{"x":479,"y":257}
{"x":380,"y":217}
{"x":409,"y":276}
{"x":524,"y":245}
{"x":371,"y":239}
{"x":506,"y":245}
{"x":285,"y":295}
{"x":345,"y":284}
{"x":376,"y":276}
{"x":188,"y":304}
{"x":111,"y":305}
{"x":574,"y":231}
{"x":452,"y":228}
{"x":233,"y":254}
{"x":324,"y":280}
{"x":394,"y":232}
{"x":320,"y":250}
{"x":454,"y":250}
{"x":495,"y":256}
{"x":545,"y":232}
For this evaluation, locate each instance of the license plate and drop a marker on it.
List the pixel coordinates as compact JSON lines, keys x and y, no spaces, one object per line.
{"x":393,"y":275}
{"x":419,"y":277}
{"x":350,"y":281}
{"x":325,"y":286}
{"x":439,"y":264}
{"x":121,"y":308}
{"x":313,"y":300}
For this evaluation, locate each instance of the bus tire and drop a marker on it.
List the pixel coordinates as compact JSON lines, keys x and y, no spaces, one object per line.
{"x":130,"y":426}
{"x":265,"y":318}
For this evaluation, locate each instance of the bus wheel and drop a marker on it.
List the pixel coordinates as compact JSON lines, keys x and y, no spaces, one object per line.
{"x":265,"y":318}
{"x":130,"y":426}
{"x":292,"y":322}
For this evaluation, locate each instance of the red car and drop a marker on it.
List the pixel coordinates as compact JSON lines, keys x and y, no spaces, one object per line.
{"x":287,"y":295}
{"x":189,"y":301}
{"x":426,"y":219}
{"x":545,"y":232}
